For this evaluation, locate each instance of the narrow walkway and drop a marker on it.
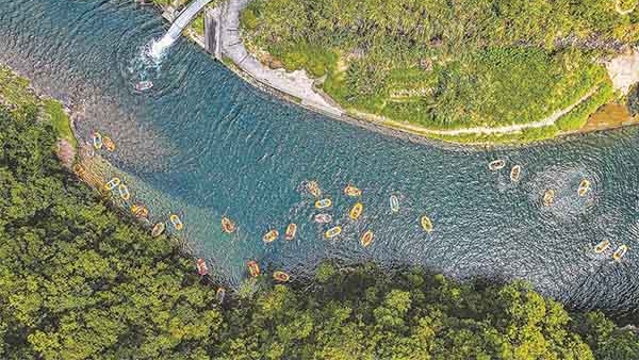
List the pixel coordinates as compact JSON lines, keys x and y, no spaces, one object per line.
{"x":550,"y":120}
{"x":296,"y":83}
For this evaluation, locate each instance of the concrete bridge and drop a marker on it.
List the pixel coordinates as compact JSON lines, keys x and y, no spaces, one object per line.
{"x":180,"y":23}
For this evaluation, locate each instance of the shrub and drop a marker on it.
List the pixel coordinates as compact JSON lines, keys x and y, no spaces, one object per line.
{"x":249,"y":19}
{"x":578,"y":117}
{"x":633,"y":101}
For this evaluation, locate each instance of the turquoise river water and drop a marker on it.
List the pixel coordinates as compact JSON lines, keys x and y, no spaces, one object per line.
{"x":205,"y":144}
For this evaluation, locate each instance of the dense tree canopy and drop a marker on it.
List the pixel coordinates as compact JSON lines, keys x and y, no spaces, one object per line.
{"x":445,"y":64}
{"x":78,"y":280}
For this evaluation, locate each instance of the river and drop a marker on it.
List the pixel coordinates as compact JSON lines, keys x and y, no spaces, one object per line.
{"x":205,"y":144}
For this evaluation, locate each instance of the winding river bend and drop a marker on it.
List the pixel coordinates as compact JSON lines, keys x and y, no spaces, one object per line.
{"x":205,"y":144}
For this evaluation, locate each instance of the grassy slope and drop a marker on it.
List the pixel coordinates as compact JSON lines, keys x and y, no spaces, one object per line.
{"x":15,"y":91}
{"x":59,"y":120}
{"x":485,"y":78}
{"x":198,"y":25}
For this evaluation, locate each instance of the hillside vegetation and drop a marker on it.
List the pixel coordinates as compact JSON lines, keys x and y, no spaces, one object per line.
{"x":445,"y":64}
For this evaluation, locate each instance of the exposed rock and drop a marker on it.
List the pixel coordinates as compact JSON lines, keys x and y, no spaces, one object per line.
{"x":625,"y":10}
{"x":624,"y":70}
{"x":609,"y":116}
{"x":297,"y":84}
{"x":66,"y":153}
{"x":270,"y":61}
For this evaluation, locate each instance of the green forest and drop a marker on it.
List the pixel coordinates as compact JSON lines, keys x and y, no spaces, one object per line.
{"x":447,"y":64}
{"x":79,"y":279}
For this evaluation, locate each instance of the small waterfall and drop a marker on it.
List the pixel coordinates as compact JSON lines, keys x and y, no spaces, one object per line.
{"x":158,"y":47}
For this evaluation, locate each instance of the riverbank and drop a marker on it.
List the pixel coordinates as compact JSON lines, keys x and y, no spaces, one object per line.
{"x":20,"y":97}
{"x":303,"y":89}
{"x":332,"y":110}
{"x":296,"y":84}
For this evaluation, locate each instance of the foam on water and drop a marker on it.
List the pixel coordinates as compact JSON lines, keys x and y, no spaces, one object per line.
{"x":158,"y":47}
